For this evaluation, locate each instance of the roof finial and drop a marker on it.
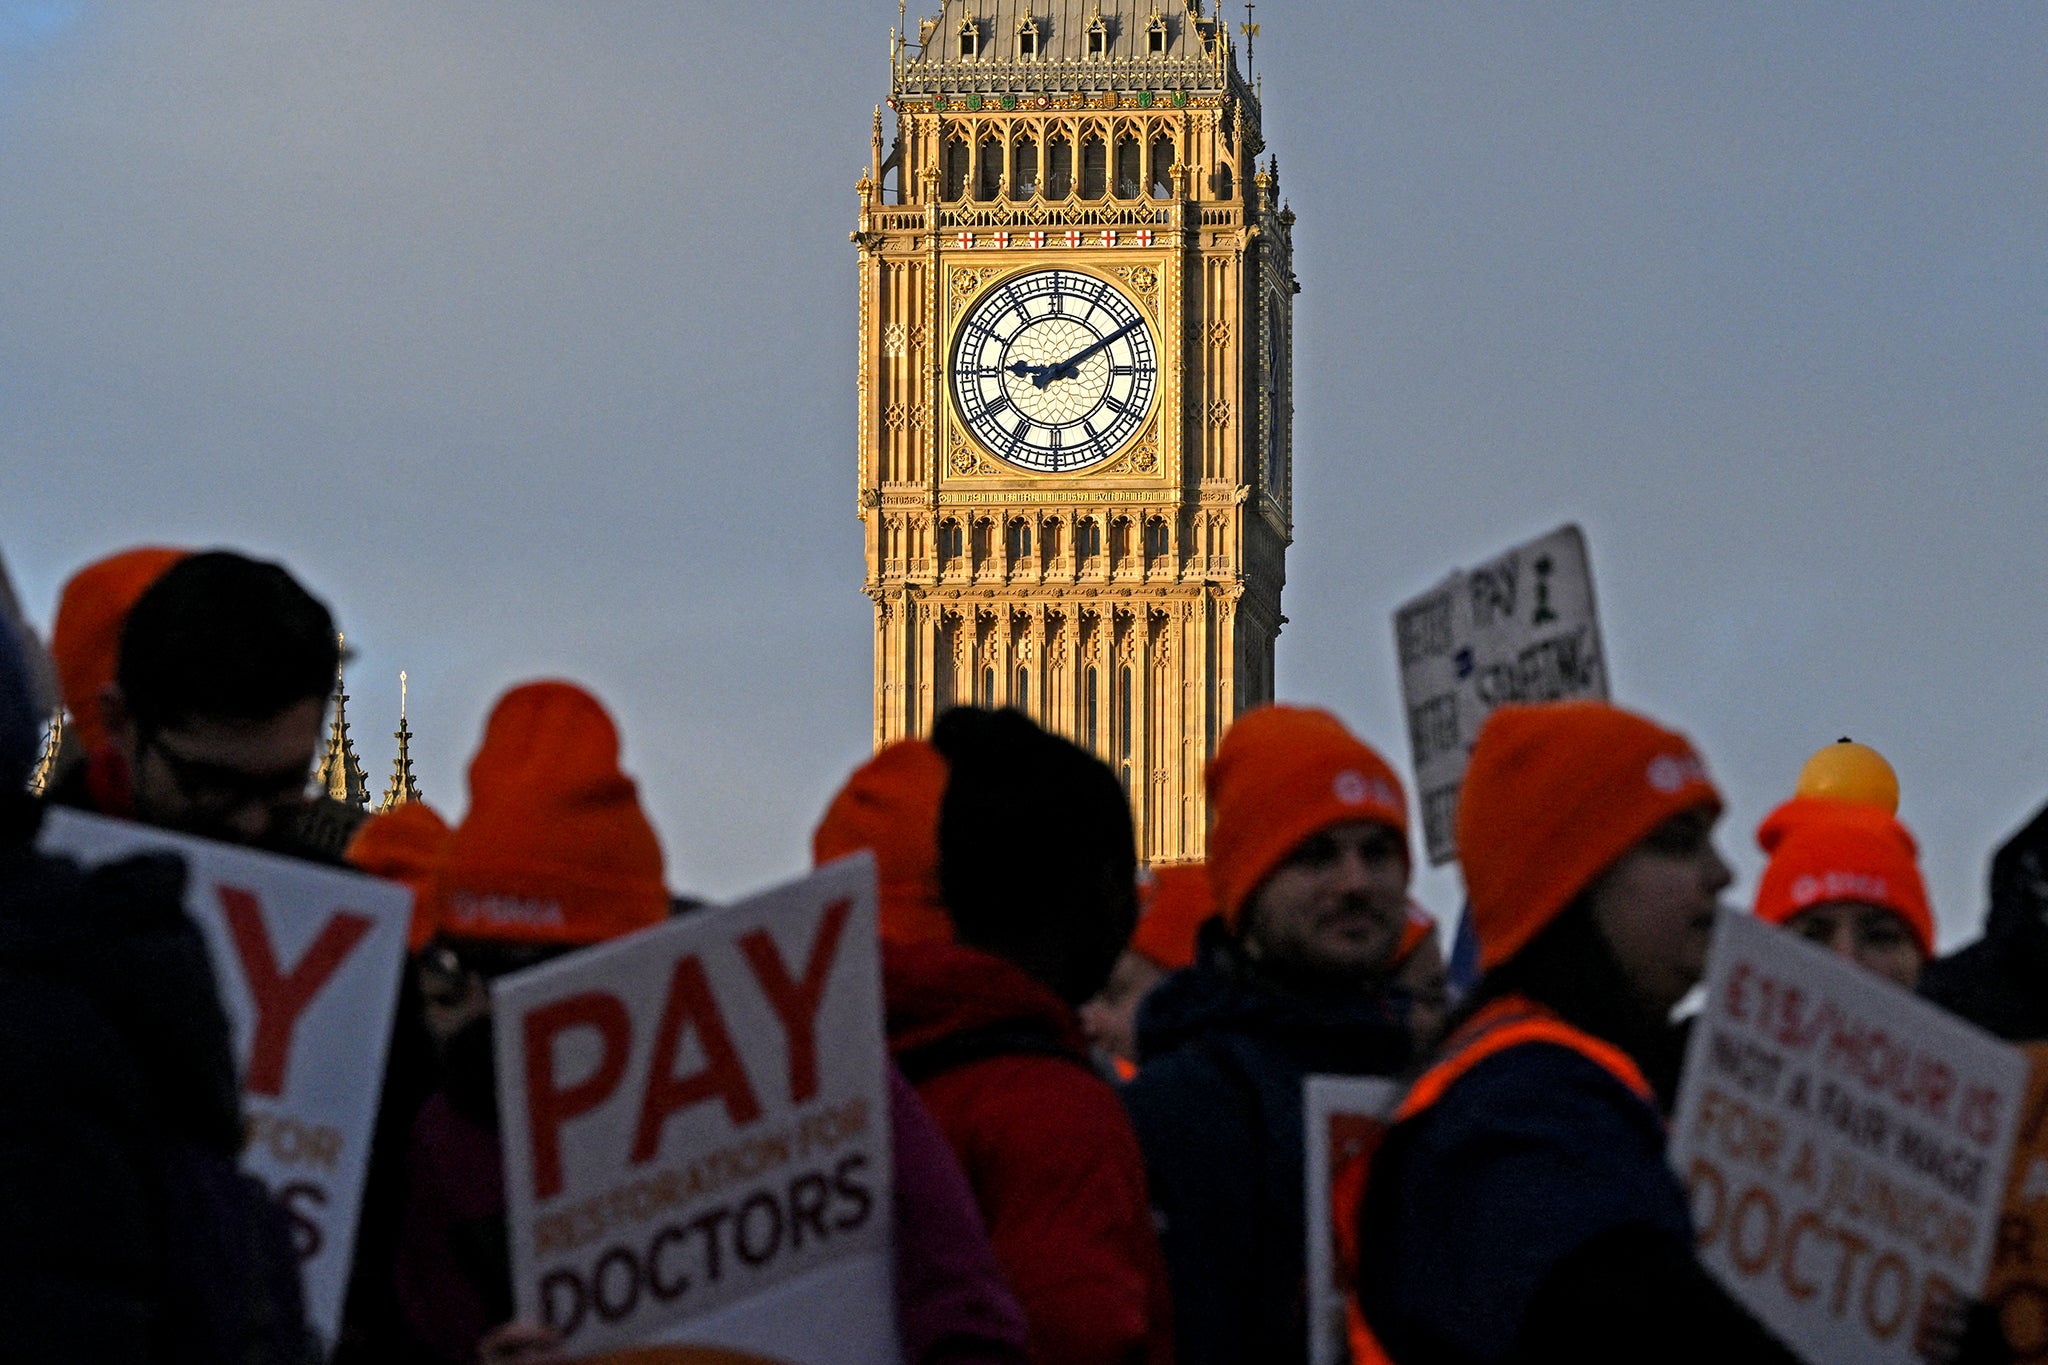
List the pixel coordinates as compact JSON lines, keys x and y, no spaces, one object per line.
{"x":1250,"y":31}
{"x":402,"y":788}
{"x":340,"y":773}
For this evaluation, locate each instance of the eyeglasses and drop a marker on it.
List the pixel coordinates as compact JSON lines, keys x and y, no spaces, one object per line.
{"x":222,"y":787}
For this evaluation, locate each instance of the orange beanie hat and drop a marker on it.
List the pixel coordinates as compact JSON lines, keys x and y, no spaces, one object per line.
{"x":85,"y":640}
{"x":1182,"y":902}
{"x":1554,"y":795}
{"x":404,"y":844}
{"x":1281,"y":774}
{"x":891,"y":805}
{"x":1826,"y":850}
{"x":555,"y":848}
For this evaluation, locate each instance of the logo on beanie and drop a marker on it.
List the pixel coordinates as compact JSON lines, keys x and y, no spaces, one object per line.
{"x":1354,"y":788}
{"x":1671,"y":772}
{"x":499,"y":911}
{"x":1840,"y":886}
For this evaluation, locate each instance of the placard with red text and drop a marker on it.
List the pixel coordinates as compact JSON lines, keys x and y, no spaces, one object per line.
{"x":695,"y":1115}
{"x":308,"y":960}
{"x":1344,"y":1119}
{"x":1843,"y":1143}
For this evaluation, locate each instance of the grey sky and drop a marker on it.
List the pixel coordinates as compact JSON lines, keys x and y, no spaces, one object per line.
{"x":524,"y":331}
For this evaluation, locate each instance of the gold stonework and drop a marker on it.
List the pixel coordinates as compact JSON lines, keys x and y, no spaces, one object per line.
{"x":1131,"y":605}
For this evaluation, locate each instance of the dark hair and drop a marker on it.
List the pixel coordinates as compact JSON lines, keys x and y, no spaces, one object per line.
{"x":222,"y":636}
{"x":1570,"y":968}
{"x":1037,"y":859}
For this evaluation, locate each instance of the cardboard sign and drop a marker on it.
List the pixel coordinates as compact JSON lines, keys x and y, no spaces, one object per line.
{"x":1844,"y":1145}
{"x":1522,"y":628}
{"x":1344,"y":1118}
{"x":698,"y":1114}
{"x":2018,"y":1287}
{"x":308,"y":961}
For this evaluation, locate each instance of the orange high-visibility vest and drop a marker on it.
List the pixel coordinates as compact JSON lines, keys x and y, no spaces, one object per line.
{"x":1508,"y":1022}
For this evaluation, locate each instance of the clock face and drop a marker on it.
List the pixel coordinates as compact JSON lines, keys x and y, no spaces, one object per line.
{"x":1054,"y":370}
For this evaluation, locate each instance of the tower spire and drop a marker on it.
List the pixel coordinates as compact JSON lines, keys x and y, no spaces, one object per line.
{"x":341,"y":775}
{"x":46,"y":766}
{"x":402,"y":788}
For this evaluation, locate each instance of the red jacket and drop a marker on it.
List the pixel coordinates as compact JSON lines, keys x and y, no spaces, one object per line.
{"x":1001,"y":1063}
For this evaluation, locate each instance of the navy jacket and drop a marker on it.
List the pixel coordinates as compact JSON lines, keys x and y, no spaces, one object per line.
{"x":1217,"y":1107}
{"x":1473,"y":1204}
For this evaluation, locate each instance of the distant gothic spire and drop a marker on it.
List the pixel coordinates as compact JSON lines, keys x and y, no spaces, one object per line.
{"x":46,"y":766}
{"x":340,"y":774}
{"x":402,"y":789}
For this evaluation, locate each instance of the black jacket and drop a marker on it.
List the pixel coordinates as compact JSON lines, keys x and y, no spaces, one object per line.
{"x":2000,"y":982}
{"x":1217,"y":1104}
{"x":126,"y":1231}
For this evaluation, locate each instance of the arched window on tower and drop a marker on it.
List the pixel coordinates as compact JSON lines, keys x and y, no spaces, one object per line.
{"x":1050,"y":541}
{"x":1020,"y":540}
{"x":1123,"y":722}
{"x":991,"y":179}
{"x":1021,"y":698}
{"x":1098,"y":36}
{"x":1024,"y":169}
{"x":1129,"y":156}
{"x":1027,"y":38}
{"x":1156,"y":539}
{"x":949,"y":544}
{"x":953,"y":170}
{"x":1226,"y":183}
{"x":970,"y":39}
{"x":1162,"y":166}
{"x":1088,"y":540}
{"x":1155,"y":36}
{"x":981,"y":541}
{"x":988,"y":688}
{"x":1059,"y":168}
{"x":1120,"y":541}
{"x":1091,"y":709}
{"x":1094,"y":168}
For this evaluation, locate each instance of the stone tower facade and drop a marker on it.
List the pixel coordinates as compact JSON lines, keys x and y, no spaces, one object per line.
{"x":1076,"y":312}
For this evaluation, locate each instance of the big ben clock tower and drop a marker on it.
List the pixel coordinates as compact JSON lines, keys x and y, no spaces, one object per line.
{"x":1076,"y":311}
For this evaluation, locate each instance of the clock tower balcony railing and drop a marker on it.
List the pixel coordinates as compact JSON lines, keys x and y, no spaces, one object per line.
{"x":1138,"y":212}
{"x":1027,"y":76}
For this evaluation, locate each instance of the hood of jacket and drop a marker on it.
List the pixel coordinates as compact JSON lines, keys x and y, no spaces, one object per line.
{"x":935,"y":991}
{"x":1362,"y":1034}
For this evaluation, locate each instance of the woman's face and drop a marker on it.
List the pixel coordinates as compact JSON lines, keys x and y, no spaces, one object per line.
{"x":1655,"y":907}
{"x":1870,"y":936}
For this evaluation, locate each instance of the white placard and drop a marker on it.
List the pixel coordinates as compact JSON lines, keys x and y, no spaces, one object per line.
{"x":1844,"y":1145}
{"x":697,"y":1115}
{"x":1521,"y":628}
{"x":308,"y":961}
{"x":1344,"y":1118}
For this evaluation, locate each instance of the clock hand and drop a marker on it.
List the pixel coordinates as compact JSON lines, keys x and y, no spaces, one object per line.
{"x":1069,"y":367}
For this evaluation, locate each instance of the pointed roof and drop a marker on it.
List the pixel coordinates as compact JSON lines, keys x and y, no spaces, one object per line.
{"x":402,"y":789}
{"x":341,"y":775}
{"x":1198,"y":55}
{"x":46,"y":766}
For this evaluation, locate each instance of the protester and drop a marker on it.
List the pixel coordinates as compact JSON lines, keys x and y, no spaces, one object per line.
{"x":405,"y":845}
{"x":1846,"y":877}
{"x":1309,"y":861}
{"x":554,"y":854}
{"x":214,"y":715}
{"x":1163,"y":943}
{"x":2000,"y":982}
{"x":1520,"y":1207}
{"x":1036,"y":870}
{"x":126,"y":1232}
